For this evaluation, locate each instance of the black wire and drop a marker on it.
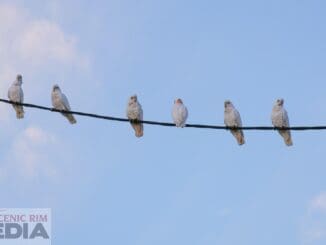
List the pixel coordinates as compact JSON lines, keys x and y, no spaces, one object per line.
{"x":297,"y":128}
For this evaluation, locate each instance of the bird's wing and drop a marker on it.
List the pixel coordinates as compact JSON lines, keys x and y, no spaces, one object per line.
{"x":285,"y":118}
{"x":237,"y":118}
{"x":140,"y":112}
{"x":185,"y":113}
{"x":65,"y":102}
{"x":21,"y":95}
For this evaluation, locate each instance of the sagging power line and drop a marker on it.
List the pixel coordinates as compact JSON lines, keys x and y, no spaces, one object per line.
{"x":165,"y":124}
{"x":232,"y":119}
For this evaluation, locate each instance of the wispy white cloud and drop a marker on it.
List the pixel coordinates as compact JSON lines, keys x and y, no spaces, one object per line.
{"x":30,"y":152}
{"x":43,"y":40}
{"x":29,"y":41}
{"x":318,"y":203}
{"x":314,"y":234}
{"x":313,"y":224}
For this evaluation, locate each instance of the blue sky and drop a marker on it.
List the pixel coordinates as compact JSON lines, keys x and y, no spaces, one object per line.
{"x":173,"y":186}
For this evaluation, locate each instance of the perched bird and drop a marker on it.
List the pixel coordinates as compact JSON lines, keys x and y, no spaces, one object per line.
{"x":60,"y":102}
{"x":280,"y":119}
{"x":134,"y":113}
{"x":232,"y":119}
{"x":179,"y":113}
{"x":15,"y":94}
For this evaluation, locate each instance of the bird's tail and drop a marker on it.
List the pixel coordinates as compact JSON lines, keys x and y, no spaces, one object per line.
{"x":70,"y":118}
{"x":139,"y":129}
{"x":238,"y":134}
{"x":19,"y":111}
{"x":287,"y":137}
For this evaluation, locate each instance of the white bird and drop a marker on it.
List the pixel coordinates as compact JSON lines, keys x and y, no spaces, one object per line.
{"x":134,"y":113}
{"x":60,"y":102}
{"x":16,"y":94}
{"x":179,"y":113}
{"x":280,"y":119}
{"x":232,"y":119}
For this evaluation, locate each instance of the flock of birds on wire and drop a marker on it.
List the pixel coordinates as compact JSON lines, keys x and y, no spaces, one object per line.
{"x":134,"y":112}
